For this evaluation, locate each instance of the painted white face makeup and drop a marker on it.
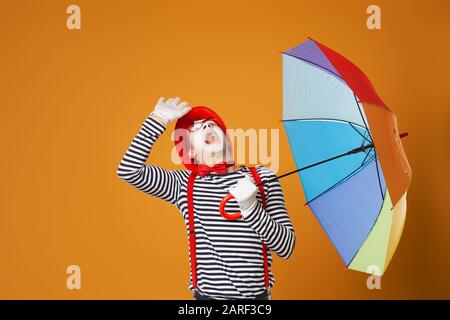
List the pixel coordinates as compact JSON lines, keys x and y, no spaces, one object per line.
{"x":209,"y":138}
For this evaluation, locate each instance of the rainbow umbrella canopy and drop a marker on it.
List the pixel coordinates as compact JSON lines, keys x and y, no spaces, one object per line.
{"x":345,"y":142}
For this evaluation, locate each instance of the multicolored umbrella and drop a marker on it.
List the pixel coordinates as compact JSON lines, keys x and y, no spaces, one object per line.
{"x":346,"y":146}
{"x":347,"y":150}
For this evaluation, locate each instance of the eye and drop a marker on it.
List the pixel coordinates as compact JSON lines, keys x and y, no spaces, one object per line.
{"x":195,"y":126}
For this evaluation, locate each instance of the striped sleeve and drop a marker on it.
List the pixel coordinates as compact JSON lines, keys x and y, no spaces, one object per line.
{"x":273,"y":224}
{"x":151,"y":179}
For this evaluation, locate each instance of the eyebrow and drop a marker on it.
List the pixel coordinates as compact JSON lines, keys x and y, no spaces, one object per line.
{"x":201,"y":121}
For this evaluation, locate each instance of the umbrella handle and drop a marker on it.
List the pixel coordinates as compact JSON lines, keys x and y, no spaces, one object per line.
{"x":229,"y":216}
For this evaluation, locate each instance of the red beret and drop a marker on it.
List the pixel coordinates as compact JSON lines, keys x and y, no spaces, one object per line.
{"x":182,"y":136}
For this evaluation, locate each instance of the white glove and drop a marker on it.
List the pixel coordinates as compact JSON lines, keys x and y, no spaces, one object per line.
{"x":244,"y":191}
{"x":171,"y":109}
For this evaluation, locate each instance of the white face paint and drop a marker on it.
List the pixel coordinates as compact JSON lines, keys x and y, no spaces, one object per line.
{"x":208,"y":139}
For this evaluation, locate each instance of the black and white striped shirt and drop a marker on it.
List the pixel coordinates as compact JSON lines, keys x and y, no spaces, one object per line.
{"x":229,"y":252}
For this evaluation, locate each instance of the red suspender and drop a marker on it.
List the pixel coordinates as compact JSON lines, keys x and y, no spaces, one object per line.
{"x":192,"y":240}
{"x":263,"y":199}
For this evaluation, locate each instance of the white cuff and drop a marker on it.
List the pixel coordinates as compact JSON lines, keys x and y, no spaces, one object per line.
{"x":249,"y":210}
{"x":159,"y":115}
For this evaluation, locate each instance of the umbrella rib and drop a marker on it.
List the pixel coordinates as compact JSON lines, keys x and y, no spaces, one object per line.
{"x":378,"y":174}
{"x":364,"y":137}
{"x":362,"y":117}
{"x":356,"y":150}
{"x":332,"y":119}
{"x":342,"y":180}
{"x":370,"y":150}
{"x":376,"y":162}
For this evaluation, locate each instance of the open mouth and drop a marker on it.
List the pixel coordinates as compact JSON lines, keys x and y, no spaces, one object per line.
{"x":210,"y":137}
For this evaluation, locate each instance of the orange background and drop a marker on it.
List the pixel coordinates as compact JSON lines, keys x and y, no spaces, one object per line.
{"x":73,"y":100}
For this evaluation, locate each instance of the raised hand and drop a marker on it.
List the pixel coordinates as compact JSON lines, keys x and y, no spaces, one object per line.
{"x":170,"y":110}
